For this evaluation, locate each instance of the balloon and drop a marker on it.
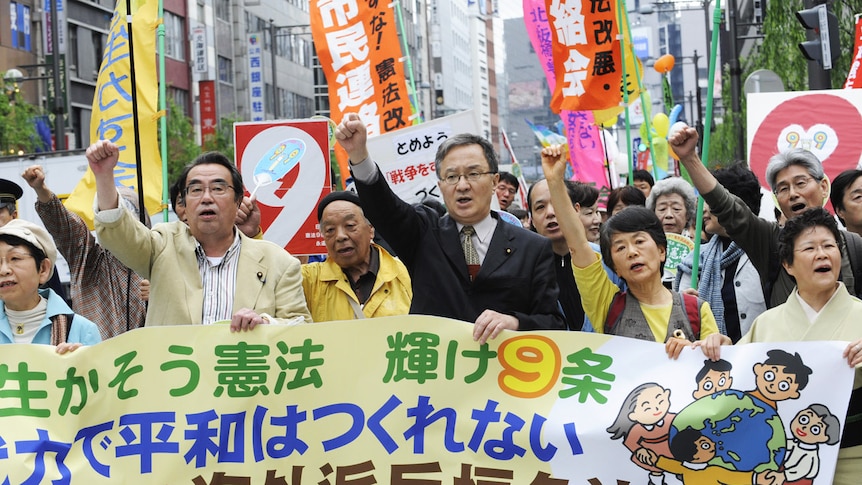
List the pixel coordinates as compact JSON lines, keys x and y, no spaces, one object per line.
{"x":621,"y":163}
{"x":664,"y":64}
{"x":674,"y":114}
{"x":643,"y":133}
{"x":660,"y":124}
{"x":608,"y":123}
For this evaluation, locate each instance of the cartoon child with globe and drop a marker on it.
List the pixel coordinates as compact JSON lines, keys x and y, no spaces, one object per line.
{"x":780,"y":377}
{"x":644,"y":424}
{"x":692,"y":452}
{"x":713,"y":377}
{"x":810,"y":428}
{"x":745,"y":425}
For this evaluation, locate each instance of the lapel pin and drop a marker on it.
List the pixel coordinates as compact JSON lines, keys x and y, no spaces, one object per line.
{"x":261,"y":277}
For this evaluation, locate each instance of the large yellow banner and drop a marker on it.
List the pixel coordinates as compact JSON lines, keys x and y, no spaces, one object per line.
{"x":112,"y":108}
{"x":403,"y":400}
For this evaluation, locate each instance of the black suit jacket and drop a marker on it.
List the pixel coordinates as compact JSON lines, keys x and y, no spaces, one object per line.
{"x":516,"y":278}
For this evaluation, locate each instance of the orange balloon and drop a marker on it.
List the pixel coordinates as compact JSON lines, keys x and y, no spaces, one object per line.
{"x":664,"y":64}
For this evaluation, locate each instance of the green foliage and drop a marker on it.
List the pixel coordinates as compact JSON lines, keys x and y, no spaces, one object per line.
{"x":778,"y":51}
{"x":17,"y":128}
{"x":223,"y":139}
{"x":182,"y":147}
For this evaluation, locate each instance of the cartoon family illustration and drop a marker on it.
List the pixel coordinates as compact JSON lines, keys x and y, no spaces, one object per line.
{"x":726,"y":436}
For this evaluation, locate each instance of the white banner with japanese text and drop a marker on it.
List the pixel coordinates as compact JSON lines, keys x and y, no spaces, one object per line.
{"x":406,"y":157}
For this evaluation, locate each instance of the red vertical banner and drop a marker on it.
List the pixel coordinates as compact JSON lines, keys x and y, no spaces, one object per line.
{"x":359,"y":51}
{"x":854,"y":78}
{"x":209,"y":119}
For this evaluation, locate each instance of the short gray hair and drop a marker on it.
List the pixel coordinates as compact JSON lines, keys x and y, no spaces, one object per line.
{"x":674,"y":185}
{"x":796,"y":156}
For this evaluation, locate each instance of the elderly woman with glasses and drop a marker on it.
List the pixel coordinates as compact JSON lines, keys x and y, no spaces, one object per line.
{"x":820,"y":308}
{"x":29,"y":314}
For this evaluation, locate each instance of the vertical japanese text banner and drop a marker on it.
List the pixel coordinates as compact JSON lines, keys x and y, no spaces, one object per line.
{"x":112,"y":108}
{"x":357,"y":43}
{"x":587,"y":55}
{"x":586,"y":149}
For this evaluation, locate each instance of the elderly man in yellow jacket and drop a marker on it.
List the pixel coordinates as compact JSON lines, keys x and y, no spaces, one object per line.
{"x":359,"y":279}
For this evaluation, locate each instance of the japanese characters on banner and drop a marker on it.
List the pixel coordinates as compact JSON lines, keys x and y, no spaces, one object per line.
{"x":854,"y":77}
{"x":587,"y":55}
{"x":285,"y":164}
{"x":112,"y":109}
{"x":824,"y":122}
{"x":360,"y":54}
{"x":406,"y":157}
{"x":410,"y":399}
{"x":255,"y":76}
{"x":208,"y":106}
{"x":586,"y":149}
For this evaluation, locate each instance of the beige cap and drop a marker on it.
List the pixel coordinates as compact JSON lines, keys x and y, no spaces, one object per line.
{"x":34,"y":235}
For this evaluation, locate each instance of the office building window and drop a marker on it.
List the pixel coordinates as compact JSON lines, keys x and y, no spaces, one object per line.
{"x":225,"y":70}
{"x":222,"y":10}
{"x":175,"y":36}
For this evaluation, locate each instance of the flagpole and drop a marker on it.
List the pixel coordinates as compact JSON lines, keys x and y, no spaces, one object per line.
{"x":163,"y":121}
{"x":408,"y":62}
{"x":142,"y":211}
{"x":707,"y":128}
{"x":607,"y":161}
{"x":622,"y":3}
{"x":647,"y":109}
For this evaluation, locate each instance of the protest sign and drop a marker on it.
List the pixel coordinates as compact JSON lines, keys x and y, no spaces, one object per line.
{"x":401,"y":400}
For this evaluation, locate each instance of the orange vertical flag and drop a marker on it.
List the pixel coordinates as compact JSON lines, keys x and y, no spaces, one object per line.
{"x":587,"y":55}
{"x":357,"y":44}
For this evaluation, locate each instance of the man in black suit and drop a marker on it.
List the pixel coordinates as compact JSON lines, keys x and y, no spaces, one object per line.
{"x":511,"y":283}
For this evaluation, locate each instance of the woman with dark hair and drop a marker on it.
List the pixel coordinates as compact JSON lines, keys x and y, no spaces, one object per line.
{"x":625,"y":196}
{"x":819,"y":308}
{"x":634,"y":245}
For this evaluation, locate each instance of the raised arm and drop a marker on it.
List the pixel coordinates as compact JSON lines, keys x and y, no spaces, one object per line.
{"x":684,"y":143}
{"x":554,"y":166}
{"x":103,"y":157}
{"x":352,"y":135}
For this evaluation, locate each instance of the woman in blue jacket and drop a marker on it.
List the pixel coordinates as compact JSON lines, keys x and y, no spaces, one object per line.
{"x":29,"y":314}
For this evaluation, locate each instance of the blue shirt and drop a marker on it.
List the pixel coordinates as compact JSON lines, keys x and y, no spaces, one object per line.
{"x":82,"y":331}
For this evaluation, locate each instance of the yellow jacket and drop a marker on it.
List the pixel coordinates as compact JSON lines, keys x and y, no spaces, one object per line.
{"x":327,"y":290}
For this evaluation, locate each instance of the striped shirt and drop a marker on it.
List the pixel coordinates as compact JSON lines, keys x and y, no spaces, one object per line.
{"x":218,"y":279}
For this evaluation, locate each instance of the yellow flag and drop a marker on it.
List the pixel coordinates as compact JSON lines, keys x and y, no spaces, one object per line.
{"x":112,"y":108}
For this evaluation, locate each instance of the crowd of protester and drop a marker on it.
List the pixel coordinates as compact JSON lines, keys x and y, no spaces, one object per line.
{"x":571,"y":259}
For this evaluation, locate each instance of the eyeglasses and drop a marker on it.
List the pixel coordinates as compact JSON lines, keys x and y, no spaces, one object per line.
{"x":783,"y":190}
{"x":470,"y":176}
{"x":217,"y":189}
{"x":17,"y":260}
{"x":825,"y":246}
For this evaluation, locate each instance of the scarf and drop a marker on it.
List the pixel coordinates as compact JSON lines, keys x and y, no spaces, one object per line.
{"x":713,"y":260}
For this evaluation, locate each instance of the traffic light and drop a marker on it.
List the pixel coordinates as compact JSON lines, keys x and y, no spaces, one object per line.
{"x":825,"y":45}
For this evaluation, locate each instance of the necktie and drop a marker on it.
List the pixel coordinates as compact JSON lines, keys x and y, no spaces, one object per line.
{"x":470,"y":253}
